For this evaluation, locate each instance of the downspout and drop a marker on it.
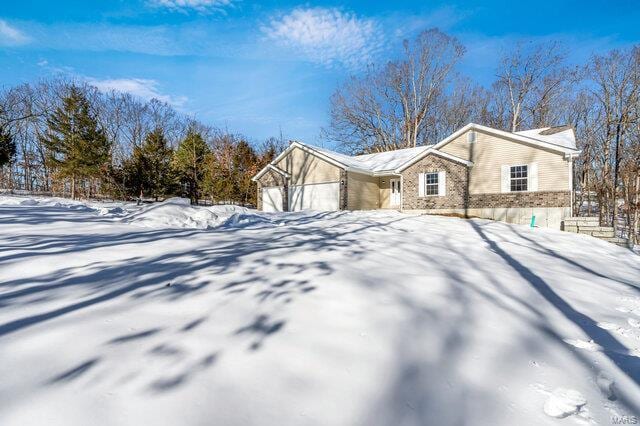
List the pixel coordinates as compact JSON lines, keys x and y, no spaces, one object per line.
{"x":571,"y":191}
{"x":401,"y":193}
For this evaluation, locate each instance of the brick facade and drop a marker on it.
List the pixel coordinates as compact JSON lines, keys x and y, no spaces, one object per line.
{"x":455,"y":182}
{"x":521,"y":199}
{"x":455,"y":197}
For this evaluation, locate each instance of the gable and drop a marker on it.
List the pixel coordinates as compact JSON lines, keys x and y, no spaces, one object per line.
{"x":489,"y":152}
{"x":304,"y":166}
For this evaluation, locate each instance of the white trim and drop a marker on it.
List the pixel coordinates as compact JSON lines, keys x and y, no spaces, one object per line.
{"x":508,"y":135}
{"x":442,"y":183}
{"x":318,"y":154}
{"x":432,"y":151}
{"x":532,"y":177}
{"x":505,"y":178}
{"x":270,"y":167}
{"x":510,"y":178}
{"x":401,"y":193}
{"x":571,"y":191}
{"x":310,"y":150}
{"x":398,"y":185}
{"x":569,"y":153}
{"x":424,"y":176}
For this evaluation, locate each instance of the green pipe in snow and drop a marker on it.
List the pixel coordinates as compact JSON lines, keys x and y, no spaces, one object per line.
{"x":533,"y":221}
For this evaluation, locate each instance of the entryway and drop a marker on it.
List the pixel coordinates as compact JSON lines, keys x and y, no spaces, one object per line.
{"x":394,"y":200}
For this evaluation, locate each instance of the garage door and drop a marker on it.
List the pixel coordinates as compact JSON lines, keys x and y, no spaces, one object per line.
{"x":322,"y":196}
{"x":272,"y":199}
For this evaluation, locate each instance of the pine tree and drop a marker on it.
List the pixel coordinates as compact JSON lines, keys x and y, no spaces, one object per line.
{"x":149,"y":169}
{"x":77,"y":147}
{"x":7,"y":147}
{"x":244,"y":167}
{"x":189,"y":163}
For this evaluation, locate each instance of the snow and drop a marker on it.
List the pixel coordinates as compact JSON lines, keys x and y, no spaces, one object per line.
{"x":178,"y":213}
{"x":311,"y":318}
{"x":173,"y":213}
{"x":376,"y":162}
{"x":565,"y":138}
{"x":564,"y":402}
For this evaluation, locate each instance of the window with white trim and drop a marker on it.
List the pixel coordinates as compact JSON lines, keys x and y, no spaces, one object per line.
{"x":519,"y":177}
{"x":431,"y":183}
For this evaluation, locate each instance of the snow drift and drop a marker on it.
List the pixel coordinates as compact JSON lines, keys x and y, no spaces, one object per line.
{"x":178,"y":213}
{"x":173,"y":213}
{"x":363,"y":318}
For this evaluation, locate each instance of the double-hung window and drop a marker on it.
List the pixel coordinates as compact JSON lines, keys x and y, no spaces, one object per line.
{"x":431,"y":183}
{"x":519,"y":177}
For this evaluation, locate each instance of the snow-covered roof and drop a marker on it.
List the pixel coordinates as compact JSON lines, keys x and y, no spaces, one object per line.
{"x":377,"y":162}
{"x":562,"y":136}
{"x":561,"y":139}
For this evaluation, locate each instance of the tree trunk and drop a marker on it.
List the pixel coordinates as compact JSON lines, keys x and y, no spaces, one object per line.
{"x":636,"y":214}
{"x":73,"y":186}
{"x":616,"y":167}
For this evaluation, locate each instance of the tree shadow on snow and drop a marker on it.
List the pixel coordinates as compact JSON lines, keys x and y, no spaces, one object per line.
{"x":176,"y":275}
{"x":613,"y":349}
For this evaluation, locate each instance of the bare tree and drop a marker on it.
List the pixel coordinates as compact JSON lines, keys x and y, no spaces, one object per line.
{"x":529,"y":78}
{"x":616,"y":78}
{"x":388,"y":107}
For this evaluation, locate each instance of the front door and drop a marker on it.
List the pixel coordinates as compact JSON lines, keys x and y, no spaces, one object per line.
{"x":395,"y":193}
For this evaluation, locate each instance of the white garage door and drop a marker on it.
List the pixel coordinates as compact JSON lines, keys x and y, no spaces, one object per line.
{"x":272,"y":199}
{"x":322,"y":196}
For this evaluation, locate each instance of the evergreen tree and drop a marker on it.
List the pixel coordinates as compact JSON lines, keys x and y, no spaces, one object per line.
{"x":7,"y":147}
{"x":149,"y":169}
{"x":244,"y":167}
{"x":77,"y":147}
{"x":189,"y":163}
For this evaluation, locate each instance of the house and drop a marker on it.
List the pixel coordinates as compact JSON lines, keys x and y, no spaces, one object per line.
{"x":477,"y":171}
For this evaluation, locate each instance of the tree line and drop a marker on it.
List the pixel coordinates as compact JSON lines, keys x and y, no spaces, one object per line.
{"x":64,"y":137}
{"x":422,"y":97}
{"x":67,"y":137}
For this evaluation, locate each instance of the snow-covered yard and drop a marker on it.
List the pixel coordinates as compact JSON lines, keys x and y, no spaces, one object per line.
{"x":172,"y":315}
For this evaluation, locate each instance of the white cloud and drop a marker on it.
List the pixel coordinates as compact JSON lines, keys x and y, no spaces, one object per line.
{"x":328,"y":36}
{"x":197,"y":5}
{"x":10,"y":36}
{"x":143,"y":88}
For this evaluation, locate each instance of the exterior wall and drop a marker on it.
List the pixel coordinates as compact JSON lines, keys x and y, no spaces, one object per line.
{"x":385,"y":191}
{"x":521,"y":199}
{"x":549,"y":207}
{"x":271,"y":178}
{"x":344,"y":190}
{"x":363,"y":192}
{"x":547,"y":217}
{"x":455,"y":181}
{"x":490,"y":152}
{"x":307,"y":168}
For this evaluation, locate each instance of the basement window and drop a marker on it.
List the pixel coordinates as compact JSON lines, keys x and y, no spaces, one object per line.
{"x":519,"y":178}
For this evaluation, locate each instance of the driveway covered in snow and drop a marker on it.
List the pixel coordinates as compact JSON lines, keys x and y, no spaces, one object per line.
{"x":309,"y":319}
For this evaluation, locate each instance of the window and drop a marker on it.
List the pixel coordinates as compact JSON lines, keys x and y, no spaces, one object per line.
{"x":431,"y":183}
{"x":518,"y":178}
{"x":471,"y":137}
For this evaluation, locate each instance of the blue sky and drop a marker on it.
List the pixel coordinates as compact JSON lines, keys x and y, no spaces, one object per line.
{"x":258,"y":67}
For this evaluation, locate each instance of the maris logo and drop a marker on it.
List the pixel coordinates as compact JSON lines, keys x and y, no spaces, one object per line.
{"x":624,"y":420}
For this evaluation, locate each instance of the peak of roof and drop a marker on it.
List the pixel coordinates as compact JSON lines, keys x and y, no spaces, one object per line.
{"x":376,"y":162}
{"x":555,"y":129}
{"x":563,"y":136}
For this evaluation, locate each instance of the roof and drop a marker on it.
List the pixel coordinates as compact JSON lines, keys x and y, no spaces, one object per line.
{"x":562,"y":135}
{"x":377,"y":162}
{"x":561,"y":139}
